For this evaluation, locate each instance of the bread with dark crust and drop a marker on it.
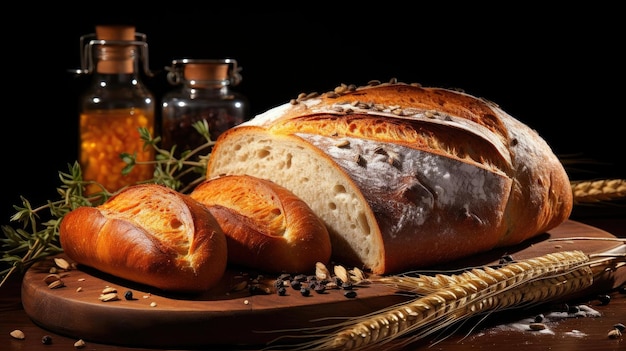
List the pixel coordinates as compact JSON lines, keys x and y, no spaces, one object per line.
{"x":149,"y":234}
{"x":267,"y":227}
{"x":404,"y":176}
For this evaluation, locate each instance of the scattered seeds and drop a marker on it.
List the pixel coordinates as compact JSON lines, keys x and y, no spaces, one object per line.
{"x":615,"y":333}
{"x":347,"y":286}
{"x":537,"y":326}
{"x":62,"y":263}
{"x":331,"y":285}
{"x":239,"y":286}
{"x":358,"y":274}
{"x":506,"y":259}
{"x":56,"y":284}
{"x":360,"y":160}
{"x":108,"y":290}
{"x":341,"y":273}
{"x":153,"y":304}
{"x":320,"y":288}
{"x":109,"y":297}
{"x":604,"y":299}
{"x":128,"y":295}
{"x":79,"y":289}
{"x":284,"y":276}
{"x":256,"y":289}
{"x":46,"y":340}
{"x":350,"y":294}
{"x":278,"y":283}
{"x":18,"y":334}
{"x":52,"y":277}
{"x":300,"y":278}
{"x":79,"y":344}
{"x":296,"y":285}
{"x":343,"y":143}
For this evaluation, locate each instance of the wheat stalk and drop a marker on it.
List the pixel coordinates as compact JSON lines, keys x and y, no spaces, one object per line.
{"x":443,"y":300}
{"x":593,"y":191}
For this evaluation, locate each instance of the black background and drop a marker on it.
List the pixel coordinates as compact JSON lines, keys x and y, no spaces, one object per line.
{"x":560,"y":69}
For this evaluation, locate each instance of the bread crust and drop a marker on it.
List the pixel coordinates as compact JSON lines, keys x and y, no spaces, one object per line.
{"x":437,"y":174}
{"x":149,"y":234}
{"x":267,"y":227}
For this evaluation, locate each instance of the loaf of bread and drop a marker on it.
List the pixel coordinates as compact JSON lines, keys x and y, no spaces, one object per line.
{"x":149,"y":234}
{"x":404,"y":176}
{"x":267,"y":227}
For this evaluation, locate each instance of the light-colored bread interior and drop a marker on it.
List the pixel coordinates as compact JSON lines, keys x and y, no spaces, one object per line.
{"x":313,"y":178}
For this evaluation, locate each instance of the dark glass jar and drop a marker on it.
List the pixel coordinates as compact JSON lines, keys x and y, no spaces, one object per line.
{"x":203,"y":92}
{"x":113,"y":108}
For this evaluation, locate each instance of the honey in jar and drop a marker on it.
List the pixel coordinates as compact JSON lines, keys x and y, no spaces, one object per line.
{"x":113,"y":108}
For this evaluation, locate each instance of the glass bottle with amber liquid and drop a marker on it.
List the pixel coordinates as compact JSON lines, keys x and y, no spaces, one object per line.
{"x":203,"y":91}
{"x":113,"y":108}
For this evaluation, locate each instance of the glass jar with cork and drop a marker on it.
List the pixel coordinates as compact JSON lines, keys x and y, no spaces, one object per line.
{"x":114,"y":107}
{"x":203,"y":92}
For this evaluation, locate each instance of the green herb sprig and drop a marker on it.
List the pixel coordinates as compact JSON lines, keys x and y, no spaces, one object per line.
{"x":37,"y":236}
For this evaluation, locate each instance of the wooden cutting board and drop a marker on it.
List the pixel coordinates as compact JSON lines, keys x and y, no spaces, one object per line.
{"x":242,"y":316}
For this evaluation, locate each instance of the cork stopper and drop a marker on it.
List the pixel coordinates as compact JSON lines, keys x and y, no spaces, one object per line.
{"x":115,"y":32}
{"x":115,"y":58}
{"x":206,"y":71}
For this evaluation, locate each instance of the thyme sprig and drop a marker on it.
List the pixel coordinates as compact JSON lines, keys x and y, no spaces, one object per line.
{"x":37,"y":234}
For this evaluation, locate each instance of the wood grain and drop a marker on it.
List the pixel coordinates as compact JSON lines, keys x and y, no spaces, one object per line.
{"x":225,"y":317}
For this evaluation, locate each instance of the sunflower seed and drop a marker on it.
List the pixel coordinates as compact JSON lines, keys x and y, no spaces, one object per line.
{"x":62,"y":263}
{"x":109,"y":297}
{"x":18,"y":334}
{"x":108,"y":290}
{"x":56,"y":284}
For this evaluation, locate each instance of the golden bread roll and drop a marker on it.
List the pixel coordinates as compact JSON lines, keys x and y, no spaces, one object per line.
{"x":404,"y":176}
{"x":149,"y":234}
{"x":267,"y":227}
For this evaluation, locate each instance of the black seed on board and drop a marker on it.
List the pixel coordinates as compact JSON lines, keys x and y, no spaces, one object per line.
{"x":604,"y":299}
{"x":128,"y":295}
{"x":46,"y":340}
{"x":350,"y":294}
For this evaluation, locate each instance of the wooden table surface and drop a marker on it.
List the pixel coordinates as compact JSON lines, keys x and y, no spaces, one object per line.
{"x":586,"y":330}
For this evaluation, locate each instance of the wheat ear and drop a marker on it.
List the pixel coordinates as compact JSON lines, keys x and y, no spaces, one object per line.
{"x":444,"y":300}
{"x":593,"y":191}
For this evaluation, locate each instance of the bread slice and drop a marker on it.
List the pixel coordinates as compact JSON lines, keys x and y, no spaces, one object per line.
{"x":402,"y":175}
{"x":267,"y":227}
